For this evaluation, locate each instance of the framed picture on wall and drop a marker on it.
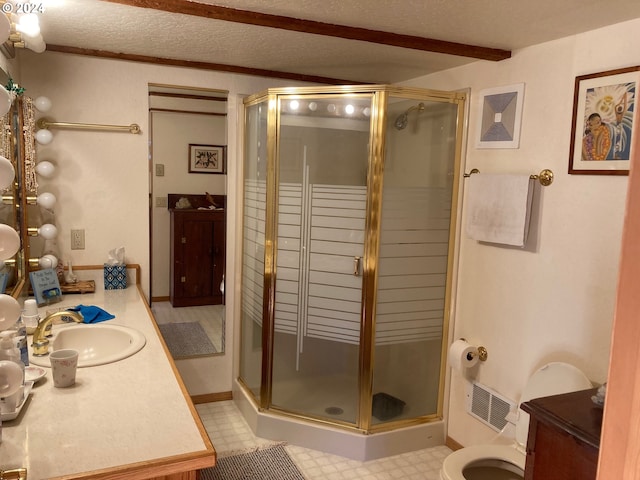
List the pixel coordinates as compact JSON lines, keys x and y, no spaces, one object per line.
{"x":207,"y":158}
{"x":500,"y":116}
{"x":603,"y":122}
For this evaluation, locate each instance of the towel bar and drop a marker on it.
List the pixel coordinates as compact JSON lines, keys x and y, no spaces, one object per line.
{"x":46,"y":124}
{"x":545,"y":177}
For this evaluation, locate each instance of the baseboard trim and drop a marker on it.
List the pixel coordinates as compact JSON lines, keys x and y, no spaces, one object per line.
{"x":452,"y":444}
{"x":212,"y":397}
{"x":160,"y":299}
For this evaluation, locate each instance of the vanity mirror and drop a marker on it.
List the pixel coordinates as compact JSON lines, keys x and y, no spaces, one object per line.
{"x":188,"y":218}
{"x":12,"y":225}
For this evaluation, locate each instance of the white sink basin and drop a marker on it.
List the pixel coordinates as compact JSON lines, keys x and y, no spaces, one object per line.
{"x":96,"y":344}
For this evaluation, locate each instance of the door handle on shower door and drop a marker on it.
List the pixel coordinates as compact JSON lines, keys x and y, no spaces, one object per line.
{"x":356,"y":266}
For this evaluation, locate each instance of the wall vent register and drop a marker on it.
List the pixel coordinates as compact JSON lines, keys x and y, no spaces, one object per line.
{"x":488,"y":406}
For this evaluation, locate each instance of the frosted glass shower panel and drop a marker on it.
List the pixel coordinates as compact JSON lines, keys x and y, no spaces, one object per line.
{"x":413,"y":257}
{"x":255,"y":171}
{"x":323,"y":158}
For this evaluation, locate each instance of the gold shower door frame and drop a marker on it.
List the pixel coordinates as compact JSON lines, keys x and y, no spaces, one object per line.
{"x":380,"y":96}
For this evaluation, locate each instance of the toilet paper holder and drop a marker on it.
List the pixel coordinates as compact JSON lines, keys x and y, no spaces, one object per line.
{"x":480,"y":352}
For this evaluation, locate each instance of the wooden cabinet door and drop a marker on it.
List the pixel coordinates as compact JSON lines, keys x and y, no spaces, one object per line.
{"x":198,"y":255}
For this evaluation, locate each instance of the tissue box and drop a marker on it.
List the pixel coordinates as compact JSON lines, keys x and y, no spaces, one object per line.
{"x":115,"y":277}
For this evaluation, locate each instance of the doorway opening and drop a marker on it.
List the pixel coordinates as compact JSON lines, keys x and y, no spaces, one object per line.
{"x":187,"y":173}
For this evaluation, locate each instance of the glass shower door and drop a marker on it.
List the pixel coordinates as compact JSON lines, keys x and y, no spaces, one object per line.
{"x":323,"y":153}
{"x":414,"y":258}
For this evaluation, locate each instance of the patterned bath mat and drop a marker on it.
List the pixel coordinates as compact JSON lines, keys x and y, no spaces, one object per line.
{"x":186,"y":340}
{"x":271,"y":463}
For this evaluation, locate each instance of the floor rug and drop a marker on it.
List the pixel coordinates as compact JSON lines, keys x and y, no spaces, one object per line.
{"x":186,"y":339}
{"x":271,"y":463}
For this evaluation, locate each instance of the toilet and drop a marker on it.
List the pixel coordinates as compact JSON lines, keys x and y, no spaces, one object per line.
{"x":506,"y":462}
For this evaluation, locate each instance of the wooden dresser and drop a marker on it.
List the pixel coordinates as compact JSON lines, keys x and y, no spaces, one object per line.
{"x":564,"y":437}
{"x":197,"y":256}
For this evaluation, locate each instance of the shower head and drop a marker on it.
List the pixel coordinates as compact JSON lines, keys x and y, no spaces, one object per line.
{"x":403,"y":119}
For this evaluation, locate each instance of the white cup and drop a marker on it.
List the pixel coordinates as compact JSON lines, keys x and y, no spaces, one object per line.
{"x":63,"y":367}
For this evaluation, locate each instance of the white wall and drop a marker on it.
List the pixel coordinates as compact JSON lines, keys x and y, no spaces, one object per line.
{"x":557,"y":301}
{"x":102,"y":181}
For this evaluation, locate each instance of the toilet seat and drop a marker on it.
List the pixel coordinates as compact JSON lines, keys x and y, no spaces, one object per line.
{"x":552,"y":379}
{"x":454,"y":465}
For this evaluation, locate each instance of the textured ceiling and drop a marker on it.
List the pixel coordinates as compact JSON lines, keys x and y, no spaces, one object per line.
{"x":503,"y":24}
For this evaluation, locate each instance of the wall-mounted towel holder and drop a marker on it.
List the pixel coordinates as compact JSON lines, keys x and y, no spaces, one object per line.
{"x":545,"y":177}
{"x":45,"y":123}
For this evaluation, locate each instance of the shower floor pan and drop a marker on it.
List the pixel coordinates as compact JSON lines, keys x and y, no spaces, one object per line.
{"x":334,"y":440}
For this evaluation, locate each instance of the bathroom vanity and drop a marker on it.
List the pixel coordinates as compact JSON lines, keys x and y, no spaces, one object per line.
{"x":564,"y":437}
{"x":127,"y":420}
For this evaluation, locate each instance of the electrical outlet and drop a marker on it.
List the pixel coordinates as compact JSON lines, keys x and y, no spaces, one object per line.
{"x":77,"y":239}
{"x":161,"y":202}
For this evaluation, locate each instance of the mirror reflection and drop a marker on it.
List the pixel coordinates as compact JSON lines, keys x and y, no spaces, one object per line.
{"x":188,"y":133}
{"x":11,"y":253}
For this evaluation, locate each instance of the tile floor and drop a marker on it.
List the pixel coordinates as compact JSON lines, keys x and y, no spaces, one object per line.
{"x":230,"y":433}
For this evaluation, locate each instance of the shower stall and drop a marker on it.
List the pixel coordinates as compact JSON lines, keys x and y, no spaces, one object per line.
{"x":349,"y":215}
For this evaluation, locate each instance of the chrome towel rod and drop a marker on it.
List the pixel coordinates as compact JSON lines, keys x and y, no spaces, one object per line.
{"x":545,"y":177}
{"x":45,"y":123}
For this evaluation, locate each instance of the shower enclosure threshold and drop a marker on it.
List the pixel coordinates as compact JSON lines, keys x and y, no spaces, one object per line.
{"x":337,"y":441}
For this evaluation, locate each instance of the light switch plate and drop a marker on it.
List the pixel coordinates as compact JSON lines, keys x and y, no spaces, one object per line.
{"x":159,"y":170}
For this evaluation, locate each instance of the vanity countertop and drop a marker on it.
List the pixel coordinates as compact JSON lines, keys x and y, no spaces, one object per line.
{"x":131,"y":419}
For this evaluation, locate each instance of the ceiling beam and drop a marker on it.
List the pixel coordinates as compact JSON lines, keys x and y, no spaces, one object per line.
{"x":227,"y":14}
{"x":219,"y":67}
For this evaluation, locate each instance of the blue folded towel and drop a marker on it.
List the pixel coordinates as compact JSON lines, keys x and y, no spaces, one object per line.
{"x":92,"y":314}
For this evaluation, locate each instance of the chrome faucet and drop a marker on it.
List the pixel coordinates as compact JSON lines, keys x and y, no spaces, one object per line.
{"x":40,"y":344}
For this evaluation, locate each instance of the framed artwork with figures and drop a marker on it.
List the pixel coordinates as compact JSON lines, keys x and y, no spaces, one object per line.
{"x":604,"y":122}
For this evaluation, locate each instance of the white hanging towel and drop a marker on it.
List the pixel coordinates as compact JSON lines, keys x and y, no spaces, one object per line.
{"x":498,"y":208}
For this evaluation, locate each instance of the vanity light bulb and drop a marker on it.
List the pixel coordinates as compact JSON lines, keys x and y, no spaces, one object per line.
{"x":5,"y":101}
{"x":9,"y":242}
{"x":48,"y":261}
{"x":29,"y":25}
{"x":10,"y":311}
{"x":48,"y":231}
{"x":7,"y":173}
{"x":46,"y":200}
{"x":43,"y":104}
{"x":10,"y":377}
{"x":35,"y":44}
{"x":44,"y":136}
{"x":45,"y":169}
